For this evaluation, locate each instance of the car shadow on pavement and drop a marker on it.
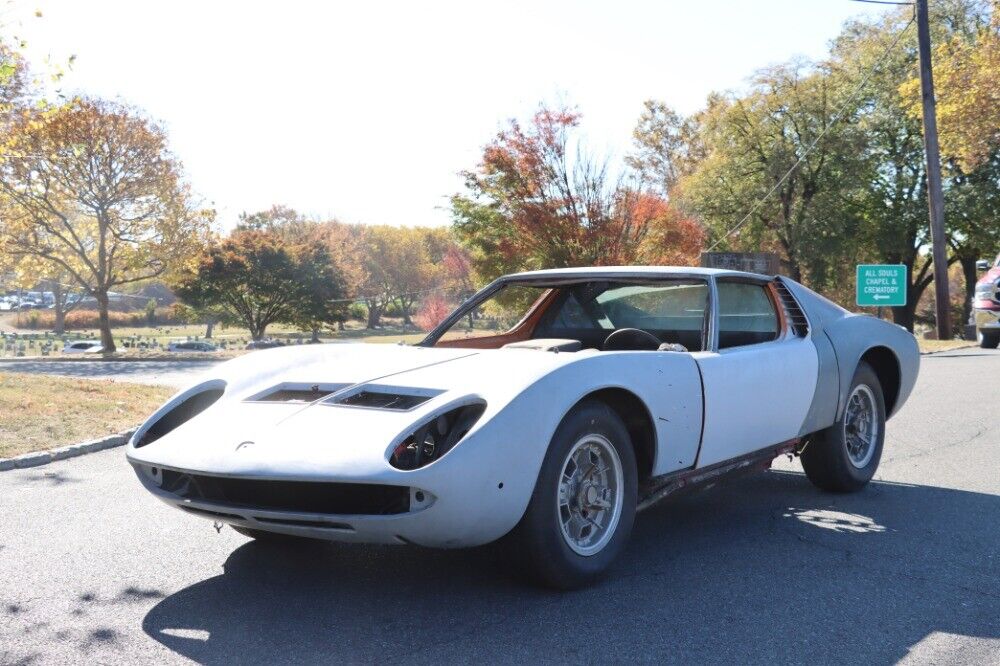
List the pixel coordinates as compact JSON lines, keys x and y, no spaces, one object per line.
{"x":762,"y":569}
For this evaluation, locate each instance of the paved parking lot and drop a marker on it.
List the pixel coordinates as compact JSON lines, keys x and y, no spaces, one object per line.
{"x":763,"y":569}
{"x":168,"y":373}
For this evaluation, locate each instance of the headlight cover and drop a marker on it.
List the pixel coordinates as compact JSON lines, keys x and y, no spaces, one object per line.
{"x":181,"y":410}
{"x":436,"y":437}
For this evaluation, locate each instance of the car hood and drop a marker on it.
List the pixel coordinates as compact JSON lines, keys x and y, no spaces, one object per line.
{"x":238,"y":435}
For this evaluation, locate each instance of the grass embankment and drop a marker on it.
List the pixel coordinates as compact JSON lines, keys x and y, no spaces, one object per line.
{"x":39,"y":412}
{"x":929,"y":346}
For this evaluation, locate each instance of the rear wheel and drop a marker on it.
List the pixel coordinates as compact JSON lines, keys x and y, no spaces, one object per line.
{"x":988,"y":339}
{"x":843,"y":458}
{"x":583,"y":506}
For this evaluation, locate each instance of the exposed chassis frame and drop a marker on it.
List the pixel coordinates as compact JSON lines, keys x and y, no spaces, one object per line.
{"x":658,"y":488}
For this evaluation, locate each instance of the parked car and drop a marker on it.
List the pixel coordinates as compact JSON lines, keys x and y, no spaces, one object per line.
{"x":264,"y":344}
{"x":83,"y":347}
{"x":617,"y":387}
{"x":191,"y":346}
{"x":28,"y":305}
{"x":986,"y":306}
{"x":6,"y":306}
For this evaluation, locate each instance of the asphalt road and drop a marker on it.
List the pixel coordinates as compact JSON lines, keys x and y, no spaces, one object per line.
{"x":168,"y":373}
{"x":763,"y":569}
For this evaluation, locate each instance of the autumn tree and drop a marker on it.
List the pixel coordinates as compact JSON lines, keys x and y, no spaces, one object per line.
{"x":91,"y":189}
{"x":966,"y":82}
{"x":258,"y":278}
{"x":777,"y":143}
{"x":396,"y":266}
{"x":433,"y":310}
{"x":539,"y":199}
{"x":890,"y":190}
{"x":666,"y":146}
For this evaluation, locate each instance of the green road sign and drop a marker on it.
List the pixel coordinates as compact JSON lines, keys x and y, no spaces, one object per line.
{"x":881,"y":284}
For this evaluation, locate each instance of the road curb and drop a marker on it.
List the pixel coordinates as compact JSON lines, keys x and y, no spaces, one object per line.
{"x":64,"y":452}
{"x":971,"y":345}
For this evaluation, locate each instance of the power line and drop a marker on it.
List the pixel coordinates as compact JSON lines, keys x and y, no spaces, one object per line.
{"x":882,"y":2}
{"x":833,"y":121}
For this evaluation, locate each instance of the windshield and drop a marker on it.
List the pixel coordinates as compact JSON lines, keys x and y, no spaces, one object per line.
{"x":671,"y":310}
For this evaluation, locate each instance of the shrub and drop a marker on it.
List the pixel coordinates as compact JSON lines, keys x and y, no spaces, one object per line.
{"x":358,"y":311}
{"x":432,"y":311}
{"x":87,"y":319}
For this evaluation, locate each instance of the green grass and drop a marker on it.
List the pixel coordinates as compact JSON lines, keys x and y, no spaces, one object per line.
{"x":40,"y":412}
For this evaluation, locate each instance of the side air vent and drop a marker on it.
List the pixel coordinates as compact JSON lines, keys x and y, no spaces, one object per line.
{"x":385,"y":397}
{"x":296,"y":392}
{"x":797,"y":321}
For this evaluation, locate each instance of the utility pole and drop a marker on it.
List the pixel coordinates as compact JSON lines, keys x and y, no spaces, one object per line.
{"x":935,"y":197}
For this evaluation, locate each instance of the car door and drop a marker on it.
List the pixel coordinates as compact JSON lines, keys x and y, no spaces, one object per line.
{"x":759,"y":375}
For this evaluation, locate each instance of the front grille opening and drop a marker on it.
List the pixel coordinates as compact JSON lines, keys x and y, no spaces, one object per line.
{"x":305,"y":523}
{"x":297,"y":393}
{"x":211,"y":514}
{"x":182,"y":413}
{"x":296,"y":496}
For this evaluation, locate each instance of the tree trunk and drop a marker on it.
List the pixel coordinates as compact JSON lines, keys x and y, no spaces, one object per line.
{"x":107,"y":340}
{"x":58,"y":306}
{"x":340,"y":325}
{"x":374,"y":316}
{"x":315,"y":336}
{"x":405,"y":308}
{"x":904,"y":315}
{"x":209,"y":327}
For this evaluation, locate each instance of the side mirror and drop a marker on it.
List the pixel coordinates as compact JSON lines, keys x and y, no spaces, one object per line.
{"x":982,"y":265}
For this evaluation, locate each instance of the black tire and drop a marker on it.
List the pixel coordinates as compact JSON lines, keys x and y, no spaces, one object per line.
{"x":826,"y":459}
{"x":267,"y":537}
{"x":988,"y":339}
{"x":537,"y":543}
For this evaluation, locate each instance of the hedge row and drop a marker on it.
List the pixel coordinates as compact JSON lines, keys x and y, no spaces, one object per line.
{"x":45,"y":320}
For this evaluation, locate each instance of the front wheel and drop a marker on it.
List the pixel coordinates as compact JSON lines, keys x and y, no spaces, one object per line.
{"x":988,"y":339}
{"x":583,"y":506}
{"x":843,"y":458}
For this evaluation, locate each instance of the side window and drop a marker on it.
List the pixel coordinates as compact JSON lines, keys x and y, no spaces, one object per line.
{"x":746,"y":315}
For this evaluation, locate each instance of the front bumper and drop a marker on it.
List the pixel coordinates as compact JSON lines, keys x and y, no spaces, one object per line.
{"x":400,"y":515}
{"x":987,"y":320}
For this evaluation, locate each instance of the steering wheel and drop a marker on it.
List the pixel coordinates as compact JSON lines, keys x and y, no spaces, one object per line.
{"x":631,"y":339}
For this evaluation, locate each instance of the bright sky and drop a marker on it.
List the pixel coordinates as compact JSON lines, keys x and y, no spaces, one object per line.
{"x":366,"y":111}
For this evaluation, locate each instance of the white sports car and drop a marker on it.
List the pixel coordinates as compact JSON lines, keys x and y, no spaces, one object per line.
{"x":606,"y":390}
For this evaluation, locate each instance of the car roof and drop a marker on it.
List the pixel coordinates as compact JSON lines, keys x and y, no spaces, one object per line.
{"x":609,"y":272}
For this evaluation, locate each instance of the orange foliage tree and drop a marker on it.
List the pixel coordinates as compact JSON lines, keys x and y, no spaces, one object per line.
{"x":538,"y":200}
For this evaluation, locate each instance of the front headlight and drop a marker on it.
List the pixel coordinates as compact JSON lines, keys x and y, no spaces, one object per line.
{"x":436,"y":437}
